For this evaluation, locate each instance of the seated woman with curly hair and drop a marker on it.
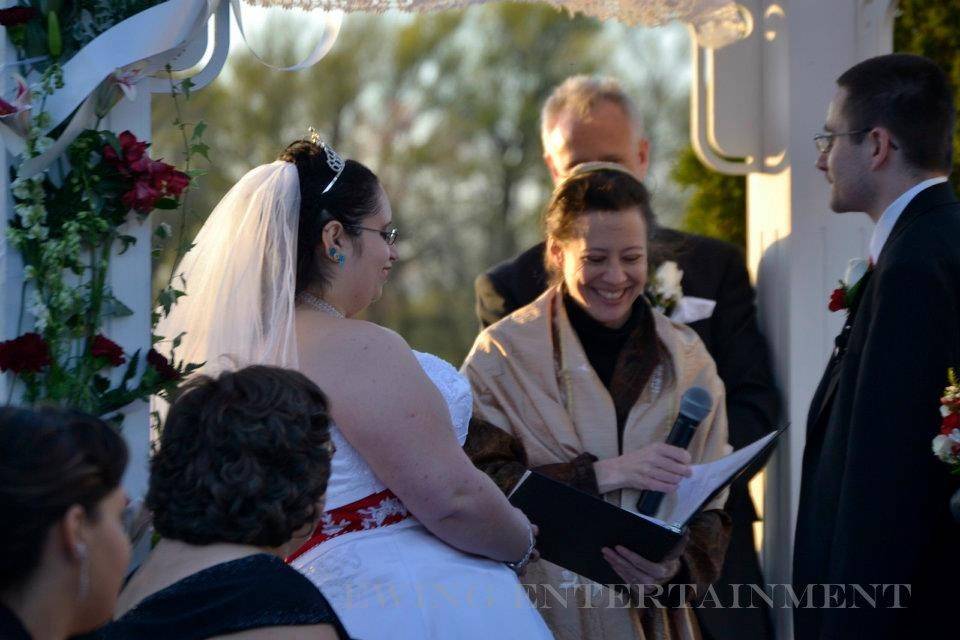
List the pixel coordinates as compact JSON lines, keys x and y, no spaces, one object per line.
{"x":237,"y":484}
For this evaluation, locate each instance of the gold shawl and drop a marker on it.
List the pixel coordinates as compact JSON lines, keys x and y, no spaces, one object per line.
{"x":532,"y":379}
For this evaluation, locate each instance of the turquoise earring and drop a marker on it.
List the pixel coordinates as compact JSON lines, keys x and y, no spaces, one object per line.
{"x":339,"y":257}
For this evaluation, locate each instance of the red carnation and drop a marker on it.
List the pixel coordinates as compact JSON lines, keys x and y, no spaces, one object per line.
{"x":132,"y":148}
{"x":177,"y":182}
{"x":838,"y":299}
{"x":17,"y":15}
{"x":110,"y":154}
{"x":162,"y":365}
{"x":950,"y":422}
{"x":165,"y":178}
{"x":27,"y":354}
{"x":103,"y":347}
{"x":142,"y":197}
{"x":131,"y":152}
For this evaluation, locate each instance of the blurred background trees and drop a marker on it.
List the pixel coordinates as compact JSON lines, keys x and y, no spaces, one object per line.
{"x":445,"y":109}
{"x":931,"y":28}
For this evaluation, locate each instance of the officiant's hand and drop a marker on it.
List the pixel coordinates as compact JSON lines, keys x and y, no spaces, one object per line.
{"x":640,"y":573}
{"x":657,"y":467}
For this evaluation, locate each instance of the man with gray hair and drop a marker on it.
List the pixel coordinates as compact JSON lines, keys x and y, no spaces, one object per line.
{"x":592,"y":119}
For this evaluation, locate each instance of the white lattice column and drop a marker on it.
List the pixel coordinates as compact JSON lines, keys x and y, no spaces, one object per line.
{"x":129,"y":277}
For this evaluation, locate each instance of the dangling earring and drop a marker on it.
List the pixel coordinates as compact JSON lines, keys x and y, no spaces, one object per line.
{"x":338,"y":257}
{"x":84,"y":581}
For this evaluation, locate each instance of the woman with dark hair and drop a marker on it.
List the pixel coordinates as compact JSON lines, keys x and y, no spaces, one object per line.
{"x":63,"y":547}
{"x":237,"y":483}
{"x":415,"y":542}
{"x":583,"y":385}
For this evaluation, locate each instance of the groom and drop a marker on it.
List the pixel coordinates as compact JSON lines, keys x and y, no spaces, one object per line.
{"x":874,"y":509}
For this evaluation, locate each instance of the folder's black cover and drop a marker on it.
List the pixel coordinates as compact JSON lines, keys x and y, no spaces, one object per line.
{"x":575,"y":525}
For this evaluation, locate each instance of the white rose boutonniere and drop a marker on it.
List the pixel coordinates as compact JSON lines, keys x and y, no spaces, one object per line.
{"x":663,"y":289}
{"x":847,"y":295}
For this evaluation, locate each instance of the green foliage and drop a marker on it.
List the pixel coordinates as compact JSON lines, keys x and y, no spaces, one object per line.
{"x":718,"y":203}
{"x":931,"y":28}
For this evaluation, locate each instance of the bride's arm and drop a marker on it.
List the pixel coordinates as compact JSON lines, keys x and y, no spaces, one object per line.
{"x":394,"y":416}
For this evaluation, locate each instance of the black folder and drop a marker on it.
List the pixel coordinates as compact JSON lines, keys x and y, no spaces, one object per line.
{"x":575,"y":525}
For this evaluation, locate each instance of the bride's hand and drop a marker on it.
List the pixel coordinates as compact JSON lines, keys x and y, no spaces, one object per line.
{"x":657,"y":467}
{"x":530,"y":555}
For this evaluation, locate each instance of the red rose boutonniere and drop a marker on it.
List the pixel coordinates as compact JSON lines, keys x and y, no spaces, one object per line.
{"x":946,"y":445}
{"x":848,"y":293}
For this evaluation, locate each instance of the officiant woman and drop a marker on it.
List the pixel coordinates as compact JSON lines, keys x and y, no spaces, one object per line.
{"x":583,"y":385}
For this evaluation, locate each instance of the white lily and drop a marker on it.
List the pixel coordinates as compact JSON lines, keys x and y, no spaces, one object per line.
{"x":856,"y":269}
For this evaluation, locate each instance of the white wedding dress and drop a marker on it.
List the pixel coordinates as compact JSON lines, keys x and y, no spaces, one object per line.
{"x":400,"y":581}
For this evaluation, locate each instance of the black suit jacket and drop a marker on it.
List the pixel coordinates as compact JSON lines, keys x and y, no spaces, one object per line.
{"x":714,"y":270}
{"x":874,"y":501}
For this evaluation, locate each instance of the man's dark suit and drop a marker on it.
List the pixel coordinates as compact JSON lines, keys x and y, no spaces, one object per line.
{"x":874,"y":499}
{"x":713,"y":270}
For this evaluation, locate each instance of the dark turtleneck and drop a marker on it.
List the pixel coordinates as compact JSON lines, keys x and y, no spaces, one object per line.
{"x":601,"y":343}
{"x":10,"y":626}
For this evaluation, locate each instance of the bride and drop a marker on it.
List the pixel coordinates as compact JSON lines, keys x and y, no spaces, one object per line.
{"x":415,"y":542}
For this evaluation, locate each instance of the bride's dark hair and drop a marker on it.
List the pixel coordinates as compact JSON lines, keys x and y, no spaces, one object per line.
{"x":354,"y":196}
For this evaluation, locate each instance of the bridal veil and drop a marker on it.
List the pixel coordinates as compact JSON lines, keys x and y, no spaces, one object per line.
{"x":240,"y":277}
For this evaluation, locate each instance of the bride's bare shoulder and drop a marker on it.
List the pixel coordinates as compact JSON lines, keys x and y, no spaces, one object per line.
{"x":359,"y":341}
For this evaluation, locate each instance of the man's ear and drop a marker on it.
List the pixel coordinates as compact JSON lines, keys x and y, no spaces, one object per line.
{"x":551,"y":167}
{"x":881,"y":145}
{"x":643,"y":158}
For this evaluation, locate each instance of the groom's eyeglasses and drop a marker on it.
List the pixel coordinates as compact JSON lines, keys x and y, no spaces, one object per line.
{"x":824,"y":141}
{"x":389,"y":237}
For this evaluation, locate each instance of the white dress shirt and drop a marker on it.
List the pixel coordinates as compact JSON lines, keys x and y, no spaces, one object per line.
{"x":892,"y":213}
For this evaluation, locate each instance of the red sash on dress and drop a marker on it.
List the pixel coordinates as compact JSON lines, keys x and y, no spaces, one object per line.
{"x":379,"y":509}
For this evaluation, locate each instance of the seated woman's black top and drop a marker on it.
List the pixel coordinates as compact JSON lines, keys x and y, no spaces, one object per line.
{"x":10,"y":626}
{"x":250,"y":593}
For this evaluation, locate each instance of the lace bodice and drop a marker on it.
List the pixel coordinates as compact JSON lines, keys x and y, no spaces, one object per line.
{"x":350,"y":476}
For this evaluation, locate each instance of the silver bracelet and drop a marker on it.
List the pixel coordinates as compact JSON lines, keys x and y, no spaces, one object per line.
{"x":522,"y":563}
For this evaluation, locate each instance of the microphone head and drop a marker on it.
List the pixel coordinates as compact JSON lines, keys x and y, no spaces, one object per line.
{"x":696,"y":403}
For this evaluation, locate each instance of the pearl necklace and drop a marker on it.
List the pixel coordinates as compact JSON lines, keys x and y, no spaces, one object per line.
{"x":319,"y":304}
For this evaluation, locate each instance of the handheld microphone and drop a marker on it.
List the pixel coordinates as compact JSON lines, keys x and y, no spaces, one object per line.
{"x":695,"y":405}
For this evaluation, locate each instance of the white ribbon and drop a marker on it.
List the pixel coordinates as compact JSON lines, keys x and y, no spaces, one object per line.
{"x":156,"y":35}
{"x":139,"y":38}
{"x":323,"y":47}
{"x":153,"y":37}
{"x":35,"y":165}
